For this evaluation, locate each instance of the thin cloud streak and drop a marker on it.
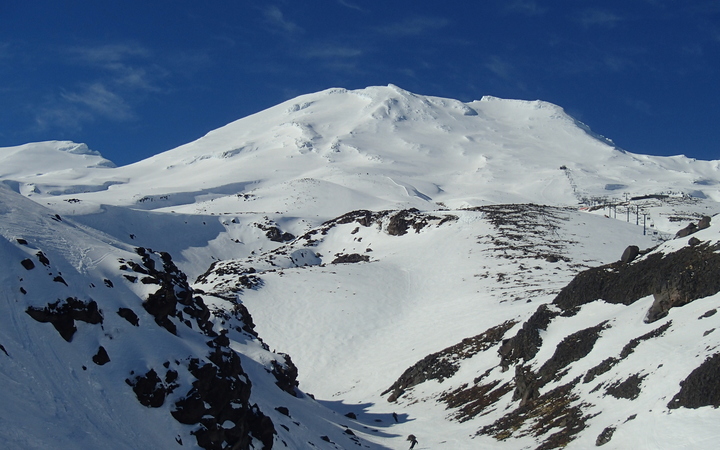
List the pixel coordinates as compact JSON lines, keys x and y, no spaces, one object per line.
{"x":347,"y":4}
{"x":277,"y":20}
{"x":597,"y":17}
{"x":331,"y":51}
{"x":414,"y":26}
{"x":525,"y":7}
{"x":98,"y":99}
{"x":112,"y":53}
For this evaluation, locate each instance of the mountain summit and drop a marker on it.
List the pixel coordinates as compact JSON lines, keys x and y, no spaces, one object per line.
{"x":354,"y":266}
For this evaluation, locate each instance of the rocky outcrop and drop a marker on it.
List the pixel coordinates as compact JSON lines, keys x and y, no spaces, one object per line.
{"x":629,"y":388}
{"x":701,"y":387}
{"x":101,"y":357}
{"x":396,"y":223}
{"x":349,"y":259}
{"x":558,"y":410}
{"x":692,"y":228}
{"x":149,"y":389}
{"x":129,"y":315}
{"x":445,"y":363}
{"x":286,"y":374}
{"x":572,"y":348}
{"x":605,"y":437}
{"x":62,"y":314}
{"x":274,"y":233}
{"x":219,"y":402}
{"x":174,"y":299}
{"x":526,"y":343}
{"x":674,"y":279}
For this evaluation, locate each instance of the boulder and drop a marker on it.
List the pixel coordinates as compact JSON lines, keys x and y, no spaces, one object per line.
{"x":687,"y":231}
{"x":630,"y":253}
{"x":101,"y":357}
{"x":704,"y":223}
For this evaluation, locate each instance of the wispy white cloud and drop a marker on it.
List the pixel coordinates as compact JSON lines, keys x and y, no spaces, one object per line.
{"x":100,"y":100}
{"x":70,"y":111}
{"x":526,"y":7}
{"x":598,"y":17}
{"x":111,"y":53}
{"x":414,"y":26}
{"x":113,"y":74}
{"x":640,"y":105}
{"x":330,"y":51}
{"x":499,"y":67}
{"x":128,"y":65}
{"x":350,"y":5}
{"x":275,"y":18}
{"x":66,"y":117}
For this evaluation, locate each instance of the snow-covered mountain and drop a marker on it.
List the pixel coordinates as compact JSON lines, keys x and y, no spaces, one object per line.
{"x":362,"y":246}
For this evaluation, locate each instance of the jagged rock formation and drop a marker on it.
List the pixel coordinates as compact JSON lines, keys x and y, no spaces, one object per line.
{"x":62,"y":314}
{"x":674,"y":279}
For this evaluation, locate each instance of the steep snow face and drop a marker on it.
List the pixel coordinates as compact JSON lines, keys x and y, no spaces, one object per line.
{"x":104,"y":345}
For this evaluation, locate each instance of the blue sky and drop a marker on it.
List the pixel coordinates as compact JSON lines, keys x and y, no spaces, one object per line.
{"x":135,"y":78}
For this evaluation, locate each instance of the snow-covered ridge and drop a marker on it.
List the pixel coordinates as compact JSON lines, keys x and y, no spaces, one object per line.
{"x":369,"y":141}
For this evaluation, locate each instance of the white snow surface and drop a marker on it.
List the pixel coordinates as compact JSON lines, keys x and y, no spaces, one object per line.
{"x":352,"y":329}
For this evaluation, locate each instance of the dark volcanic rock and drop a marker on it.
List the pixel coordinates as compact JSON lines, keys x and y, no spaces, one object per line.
{"x":220,"y":394}
{"x":629,"y":388}
{"x":400,"y":222}
{"x":42,"y":258}
{"x":572,"y":348}
{"x":604,"y":437}
{"x":27,"y":264}
{"x":687,"y":231}
{"x":445,"y":363}
{"x":526,"y":385}
{"x":407,"y":218}
{"x":101,"y":357}
{"x":174,"y":298}
{"x":704,"y":223}
{"x":526,"y":343}
{"x":626,"y":351}
{"x":62,"y":314}
{"x":603,"y":367}
{"x":129,"y":315}
{"x":149,"y":389}
{"x":677,"y":278}
{"x":276,"y":235}
{"x":352,"y":258}
{"x":286,"y":375}
{"x":557,"y":410}
{"x":701,"y":387}
{"x":630,"y":253}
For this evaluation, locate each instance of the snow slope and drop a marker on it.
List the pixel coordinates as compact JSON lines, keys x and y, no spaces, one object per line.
{"x":364,"y":231}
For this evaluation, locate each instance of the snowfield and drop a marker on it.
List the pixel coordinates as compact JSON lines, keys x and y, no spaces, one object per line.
{"x":296,"y":277}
